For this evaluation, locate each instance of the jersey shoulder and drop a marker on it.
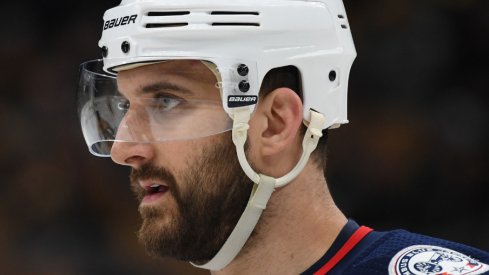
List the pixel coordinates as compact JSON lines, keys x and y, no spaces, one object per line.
{"x":402,"y":252}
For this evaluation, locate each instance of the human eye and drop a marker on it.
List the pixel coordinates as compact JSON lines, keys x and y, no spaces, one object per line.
{"x":166,"y":102}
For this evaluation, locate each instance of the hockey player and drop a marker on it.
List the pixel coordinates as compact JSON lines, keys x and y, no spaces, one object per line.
{"x":222,"y":109}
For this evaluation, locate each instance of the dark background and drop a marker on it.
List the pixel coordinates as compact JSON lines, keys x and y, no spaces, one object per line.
{"x":415,"y":154}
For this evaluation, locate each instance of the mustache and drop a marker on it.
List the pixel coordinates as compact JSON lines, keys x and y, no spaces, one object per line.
{"x":148,"y":171}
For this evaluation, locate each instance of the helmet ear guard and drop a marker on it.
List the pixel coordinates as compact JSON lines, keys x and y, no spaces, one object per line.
{"x":241,"y":41}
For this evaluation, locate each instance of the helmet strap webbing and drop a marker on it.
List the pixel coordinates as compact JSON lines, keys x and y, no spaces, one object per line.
{"x":264,"y":187}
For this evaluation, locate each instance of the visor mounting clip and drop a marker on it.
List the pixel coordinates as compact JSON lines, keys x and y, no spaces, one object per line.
{"x":244,"y":86}
{"x":243,"y":70}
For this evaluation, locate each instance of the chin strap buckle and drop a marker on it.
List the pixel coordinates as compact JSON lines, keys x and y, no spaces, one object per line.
{"x":241,"y":117}
{"x":262,"y":192}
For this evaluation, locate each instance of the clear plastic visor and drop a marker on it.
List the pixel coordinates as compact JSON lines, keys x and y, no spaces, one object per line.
{"x":163,"y":101}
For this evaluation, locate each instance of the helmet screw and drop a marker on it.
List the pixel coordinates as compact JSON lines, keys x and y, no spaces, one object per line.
{"x":125,"y":47}
{"x":332,"y":76}
{"x":105,"y":51}
{"x":243,"y":70}
{"x":244,"y":86}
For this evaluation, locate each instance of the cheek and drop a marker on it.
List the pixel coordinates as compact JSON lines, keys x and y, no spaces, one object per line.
{"x":173,"y":155}
{"x":180,"y":158}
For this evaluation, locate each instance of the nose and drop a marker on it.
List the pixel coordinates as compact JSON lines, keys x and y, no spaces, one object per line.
{"x":131,"y":153}
{"x":132,"y":146}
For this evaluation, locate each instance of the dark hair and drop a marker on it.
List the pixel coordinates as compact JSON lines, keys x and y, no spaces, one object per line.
{"x":290,"y":77}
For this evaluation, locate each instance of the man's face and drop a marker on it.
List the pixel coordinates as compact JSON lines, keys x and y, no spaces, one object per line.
{"x":191,"y":192}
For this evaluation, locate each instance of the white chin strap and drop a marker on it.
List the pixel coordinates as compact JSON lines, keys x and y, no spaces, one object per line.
{"x":264,"y":187}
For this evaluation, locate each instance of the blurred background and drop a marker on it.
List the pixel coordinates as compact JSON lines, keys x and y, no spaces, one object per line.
{"x":415,"y":154}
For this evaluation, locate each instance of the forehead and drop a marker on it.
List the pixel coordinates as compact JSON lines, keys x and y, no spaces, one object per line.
{"x":189,"y":74}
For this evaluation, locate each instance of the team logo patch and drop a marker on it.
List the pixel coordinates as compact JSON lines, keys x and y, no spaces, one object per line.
{"x":427,"y":259}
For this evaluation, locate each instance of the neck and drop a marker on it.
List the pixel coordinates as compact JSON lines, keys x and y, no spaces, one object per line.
{"x":297,"y":228}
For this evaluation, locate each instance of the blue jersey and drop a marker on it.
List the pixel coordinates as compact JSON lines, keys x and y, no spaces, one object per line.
{"x":359,"y":250}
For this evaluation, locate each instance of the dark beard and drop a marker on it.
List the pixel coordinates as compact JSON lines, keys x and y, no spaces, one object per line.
{"x":214,"y":195}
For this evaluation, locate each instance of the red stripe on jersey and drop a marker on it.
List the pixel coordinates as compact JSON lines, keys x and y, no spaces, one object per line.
{"x":343,"y":251}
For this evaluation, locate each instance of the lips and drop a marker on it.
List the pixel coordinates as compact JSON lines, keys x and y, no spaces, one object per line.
{"x":153,"y":190}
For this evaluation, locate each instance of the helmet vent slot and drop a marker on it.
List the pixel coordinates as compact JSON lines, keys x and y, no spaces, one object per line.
{"x":239,"y":18}
{"x":236,"y":24}
{"x":167,"y":13}
{"x":183,"y":18}
{"x":235,"y":13}
{"x":165,"y":25}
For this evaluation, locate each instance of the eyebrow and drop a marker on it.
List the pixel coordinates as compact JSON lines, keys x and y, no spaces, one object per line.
{"x":164,"y":86}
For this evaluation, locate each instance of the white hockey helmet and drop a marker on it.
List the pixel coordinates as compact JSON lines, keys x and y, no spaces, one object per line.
{"x":253,"y":36}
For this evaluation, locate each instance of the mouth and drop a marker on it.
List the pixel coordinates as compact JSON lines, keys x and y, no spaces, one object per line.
{"x":152,"y":191}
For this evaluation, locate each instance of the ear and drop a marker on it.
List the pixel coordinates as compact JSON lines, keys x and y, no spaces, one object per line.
{"x":277,"y":120}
